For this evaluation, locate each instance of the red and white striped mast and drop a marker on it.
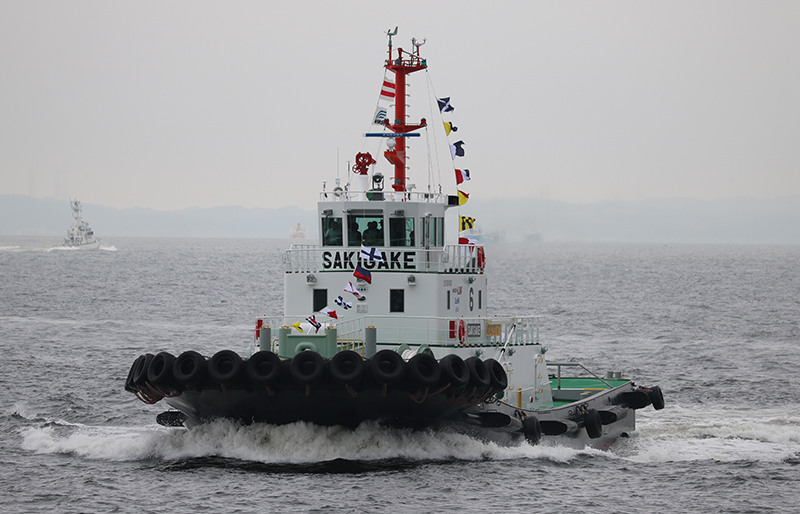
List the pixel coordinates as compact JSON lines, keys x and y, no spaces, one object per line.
{"x":404,"y":64}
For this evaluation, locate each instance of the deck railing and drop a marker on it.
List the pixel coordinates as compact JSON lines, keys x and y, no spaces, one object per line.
{"x":382,"y":196}
{"x":462,"y":259}
{"x":496,"y":331}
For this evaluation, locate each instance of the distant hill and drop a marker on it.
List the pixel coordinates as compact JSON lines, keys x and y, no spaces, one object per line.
{"x":734,"y":220}
{"x":23,"y":215}
{"x":675,"y":220}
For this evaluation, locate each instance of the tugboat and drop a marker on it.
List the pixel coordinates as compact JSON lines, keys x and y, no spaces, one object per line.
{"x":80,"y":235}
{"x":385,"y":322}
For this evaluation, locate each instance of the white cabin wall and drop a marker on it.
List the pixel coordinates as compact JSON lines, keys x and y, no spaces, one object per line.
{"x":427,"y":297}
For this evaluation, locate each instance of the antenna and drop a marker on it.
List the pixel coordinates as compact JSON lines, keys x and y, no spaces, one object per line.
{"x":390,"y":34}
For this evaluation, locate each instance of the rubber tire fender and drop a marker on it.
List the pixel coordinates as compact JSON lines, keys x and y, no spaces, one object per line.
{"x":637,"y":399}
{"x":657,"y":397}
{"x":593,"y":424}
{"x":307,"y":367}
{"x":454,"y":371}
{"x":478,"y":376}
{"x":532,"y":430}
{"x":347,"y":367}
{"x":140,"y":375}
{"x":263,"y":368}
{"x":159,"y":372}
{"x":225,"y":367}
{"x":129,"y":385}
{"x":189,"y":369}
{"x":423,"y":370}
{"x":387,"y":367}
{"x":497,"y":375}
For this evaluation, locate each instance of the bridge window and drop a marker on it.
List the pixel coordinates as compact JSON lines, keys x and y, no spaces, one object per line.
{"x":365,"y":229}
{"x":331,"y":231}
{"x":354,"y":230}
{"x":401,"y":232}
{"x":397,"y":300}
{"x":437,"y":231}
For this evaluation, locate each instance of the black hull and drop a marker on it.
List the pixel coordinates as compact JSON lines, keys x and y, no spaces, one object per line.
{"x":458,"y":395}
{"x":323,"y":407}
{"x":497,"y":421}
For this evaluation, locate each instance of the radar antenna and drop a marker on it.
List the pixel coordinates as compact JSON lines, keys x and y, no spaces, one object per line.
{"x":391,"y":33}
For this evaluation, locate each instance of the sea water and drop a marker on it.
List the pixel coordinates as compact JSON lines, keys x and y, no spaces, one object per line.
{"x":716,"y":326}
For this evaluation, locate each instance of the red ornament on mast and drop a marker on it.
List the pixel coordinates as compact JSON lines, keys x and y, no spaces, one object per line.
{"x":404,"y":64}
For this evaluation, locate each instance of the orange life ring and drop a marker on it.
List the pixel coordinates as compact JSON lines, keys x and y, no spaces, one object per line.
{"x":462,"y":333}
{"x":481,"y":259}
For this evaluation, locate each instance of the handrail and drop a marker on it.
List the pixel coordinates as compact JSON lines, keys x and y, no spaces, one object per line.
{"x":512,"y":331}
{"x":575,"y":364}
{"x":460,"y":259}
{"x":382,"y":196}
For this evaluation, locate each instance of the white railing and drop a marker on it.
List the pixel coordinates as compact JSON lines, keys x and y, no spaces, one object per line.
{"x":382,"y":196}
{"x":490,"y":331}
{"x":462,"y":259}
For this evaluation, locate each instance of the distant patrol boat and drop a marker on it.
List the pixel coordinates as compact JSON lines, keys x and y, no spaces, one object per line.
{"x":80,"y":235}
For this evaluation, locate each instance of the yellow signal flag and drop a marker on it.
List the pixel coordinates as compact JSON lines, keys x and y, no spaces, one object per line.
{"x":467,"y":222}
{"x":462,"y":197}
{"x":449,"y":127}
{"x":297,"y":326}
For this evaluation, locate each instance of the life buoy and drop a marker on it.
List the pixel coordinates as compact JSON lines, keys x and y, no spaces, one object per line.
{"x":462,"y":333}
{"x":481,"y":259}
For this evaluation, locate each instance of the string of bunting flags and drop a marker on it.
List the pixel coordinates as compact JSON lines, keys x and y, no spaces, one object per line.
{"x":388,"y":94}
{"x":366,"y":254}
{"x":462,"y":175}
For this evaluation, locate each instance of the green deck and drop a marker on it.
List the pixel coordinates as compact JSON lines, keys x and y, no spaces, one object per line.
{"x":574,"y":388}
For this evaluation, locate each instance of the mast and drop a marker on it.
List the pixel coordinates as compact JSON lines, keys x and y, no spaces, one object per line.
{"x":405,"y":64}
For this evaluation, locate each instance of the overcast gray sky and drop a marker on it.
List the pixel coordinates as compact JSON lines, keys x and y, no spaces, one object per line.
{"x":176,"y":104}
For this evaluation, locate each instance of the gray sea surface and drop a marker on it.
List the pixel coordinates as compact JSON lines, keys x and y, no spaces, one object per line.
{"x":716,"y":326}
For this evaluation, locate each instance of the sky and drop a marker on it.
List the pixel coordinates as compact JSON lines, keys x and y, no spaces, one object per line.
{"x":170,"y":105}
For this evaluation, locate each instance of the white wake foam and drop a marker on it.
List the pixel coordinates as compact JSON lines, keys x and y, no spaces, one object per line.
{"x":296,"y":443}
{"x":674,"y":434}
{"x":717,"y":433}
